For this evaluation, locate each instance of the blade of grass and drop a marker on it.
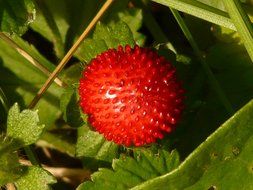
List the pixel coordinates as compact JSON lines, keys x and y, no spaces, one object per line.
{"x":4,"y":100}
{"x":29,"y":58}
{"x":70,"y":53}
{"x":212,"y":80}
{"x":200,"y":10}
{"x":242,"y":23}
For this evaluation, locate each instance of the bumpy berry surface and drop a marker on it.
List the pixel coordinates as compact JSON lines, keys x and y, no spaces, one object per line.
{"x":132,"y":96}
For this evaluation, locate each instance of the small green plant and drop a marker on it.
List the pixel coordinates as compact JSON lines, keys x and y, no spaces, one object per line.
{"x":49,"y":141}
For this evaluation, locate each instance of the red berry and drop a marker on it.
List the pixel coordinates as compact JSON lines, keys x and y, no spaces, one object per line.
{"x":132,"y":96}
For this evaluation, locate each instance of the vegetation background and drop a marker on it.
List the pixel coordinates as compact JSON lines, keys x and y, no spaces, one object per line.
{"x":48,"y":144}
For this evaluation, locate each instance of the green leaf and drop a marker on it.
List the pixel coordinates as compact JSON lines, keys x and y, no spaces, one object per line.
{"x":35,"y":178}
{"x":10,"y":168}
{"x":128,"y":172}
{"x":15,"y":15}
{"x":133,"y":18}
{"x":24,"y":125}
{"x":91,"y":144}
{"x":218,"y":162}
{"x":114,"y":35}
{"x":20,"y":81}
{"x":105,"y":37}
{"x":90,"y":48}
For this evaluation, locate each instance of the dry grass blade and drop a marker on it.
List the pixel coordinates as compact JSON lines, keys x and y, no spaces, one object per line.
{"x":69,"y":54}
{"x":29,"y":58}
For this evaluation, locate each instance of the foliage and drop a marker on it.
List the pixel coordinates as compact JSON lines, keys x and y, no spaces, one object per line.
{"x":35,"y":178}
{"x":22,"y":130}
{"x":105,"y":37}
{"x":10,"y":169}
{"x":228,"y":149}
{"x":92,"y":144}
{"x":24,"y":126}
{"x":128,"y":172}
{"x":16,"y":15}
{"x":216,"y":41}
{"x":21,"y":80}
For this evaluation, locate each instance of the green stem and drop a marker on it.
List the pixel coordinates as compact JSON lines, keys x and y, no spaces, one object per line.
{"x":32,"y":156}
{"x":242,"y":23}
{"x":213,"y":82}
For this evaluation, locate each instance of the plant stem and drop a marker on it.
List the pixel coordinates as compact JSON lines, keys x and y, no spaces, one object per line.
{"x":212,"y":80}
{"x":32,"y":156}
{"x":70,"y":53}
{"x":242,"y":23}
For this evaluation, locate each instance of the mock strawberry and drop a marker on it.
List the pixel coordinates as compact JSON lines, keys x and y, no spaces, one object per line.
{"x":132,"y":96}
